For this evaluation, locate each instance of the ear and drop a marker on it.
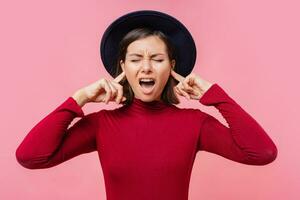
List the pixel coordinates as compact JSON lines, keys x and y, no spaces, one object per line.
{"x":122,"y":65}
{"x":173,"y":62}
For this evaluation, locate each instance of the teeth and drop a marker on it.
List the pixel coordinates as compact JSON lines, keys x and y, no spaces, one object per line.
{"x":147,"y":79}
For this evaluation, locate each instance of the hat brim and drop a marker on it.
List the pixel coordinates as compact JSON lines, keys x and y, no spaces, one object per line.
{"x":185,"y":49}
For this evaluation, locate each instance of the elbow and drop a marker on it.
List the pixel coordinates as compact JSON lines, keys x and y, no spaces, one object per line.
{"x":270,"y":155}
{"x":267,"y":156}
{"x":26,"y":161}
{"x":22,"y":160}
{"x":263,"y":157}
{"x":29,"y":161}
{"x":266,"y":153}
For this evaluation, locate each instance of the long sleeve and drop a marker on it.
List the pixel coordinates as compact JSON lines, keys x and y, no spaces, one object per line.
{"x":245,"y":141}
{"x":51,"y":142}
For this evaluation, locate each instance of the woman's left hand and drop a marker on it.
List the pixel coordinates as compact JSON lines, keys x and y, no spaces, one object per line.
{"x":191,"y":87}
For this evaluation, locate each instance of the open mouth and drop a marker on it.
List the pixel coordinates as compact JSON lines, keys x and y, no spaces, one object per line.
{"x":147,"y":85}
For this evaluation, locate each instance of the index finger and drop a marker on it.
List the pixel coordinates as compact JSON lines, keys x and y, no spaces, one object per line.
{"x":177,"y":76}
{"x":119,"y":77}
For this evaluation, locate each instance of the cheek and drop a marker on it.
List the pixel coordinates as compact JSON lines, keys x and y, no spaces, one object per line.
{"x":164,"y":76}
{"x":130,"y":72}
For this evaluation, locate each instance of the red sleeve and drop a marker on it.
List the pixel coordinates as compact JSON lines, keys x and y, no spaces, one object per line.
{"x":245,"y":141}
{"x":51,"y":142}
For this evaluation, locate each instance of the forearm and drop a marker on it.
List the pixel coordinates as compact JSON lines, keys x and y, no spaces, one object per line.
{"x":45,"y":137}
{"x":244,"y":141}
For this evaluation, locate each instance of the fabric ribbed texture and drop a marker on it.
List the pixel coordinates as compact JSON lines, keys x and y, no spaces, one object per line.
{"x":147,"y":149}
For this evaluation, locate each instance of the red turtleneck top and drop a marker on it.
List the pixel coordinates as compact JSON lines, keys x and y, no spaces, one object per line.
{"x":147,"y":149}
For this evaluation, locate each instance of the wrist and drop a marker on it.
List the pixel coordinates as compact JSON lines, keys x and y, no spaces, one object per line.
{"x":206,"y":87}
{"x":80,"y":97}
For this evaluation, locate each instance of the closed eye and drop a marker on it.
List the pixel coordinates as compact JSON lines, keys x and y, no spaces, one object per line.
{"x":154,"y":60}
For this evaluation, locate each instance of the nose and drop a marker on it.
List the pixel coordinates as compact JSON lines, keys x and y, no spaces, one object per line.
{"x":146,"y":65}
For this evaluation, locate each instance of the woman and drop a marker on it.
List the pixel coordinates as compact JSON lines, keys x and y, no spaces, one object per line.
{"x":147,"y":146}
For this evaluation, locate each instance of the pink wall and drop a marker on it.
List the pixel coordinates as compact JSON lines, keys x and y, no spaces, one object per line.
{"x":49,"y":49}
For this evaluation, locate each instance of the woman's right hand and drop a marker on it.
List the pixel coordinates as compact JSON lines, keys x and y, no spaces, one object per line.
{"x":102,"y":91}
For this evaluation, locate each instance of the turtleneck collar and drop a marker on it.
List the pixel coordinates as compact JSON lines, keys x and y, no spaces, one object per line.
{"x":152,"y":106}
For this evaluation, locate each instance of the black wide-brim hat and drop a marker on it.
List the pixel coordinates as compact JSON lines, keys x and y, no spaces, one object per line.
{"x":178,"y":34}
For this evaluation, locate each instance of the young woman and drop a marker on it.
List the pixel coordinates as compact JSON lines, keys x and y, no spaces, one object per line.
{"x":148,"y":145}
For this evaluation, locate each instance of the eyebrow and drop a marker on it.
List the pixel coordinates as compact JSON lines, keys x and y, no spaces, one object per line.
{"x":139,"y":55}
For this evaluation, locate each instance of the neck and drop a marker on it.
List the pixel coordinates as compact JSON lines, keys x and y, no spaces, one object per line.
{"x":152,"y":100}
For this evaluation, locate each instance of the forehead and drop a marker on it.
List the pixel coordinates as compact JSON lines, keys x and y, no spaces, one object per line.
{"x":149,"y":45}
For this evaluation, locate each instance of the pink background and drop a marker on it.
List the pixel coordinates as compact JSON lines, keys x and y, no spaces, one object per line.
{"x":49,"y":49}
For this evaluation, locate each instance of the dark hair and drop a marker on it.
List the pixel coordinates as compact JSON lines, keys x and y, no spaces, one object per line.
{"x":168,"y":96}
